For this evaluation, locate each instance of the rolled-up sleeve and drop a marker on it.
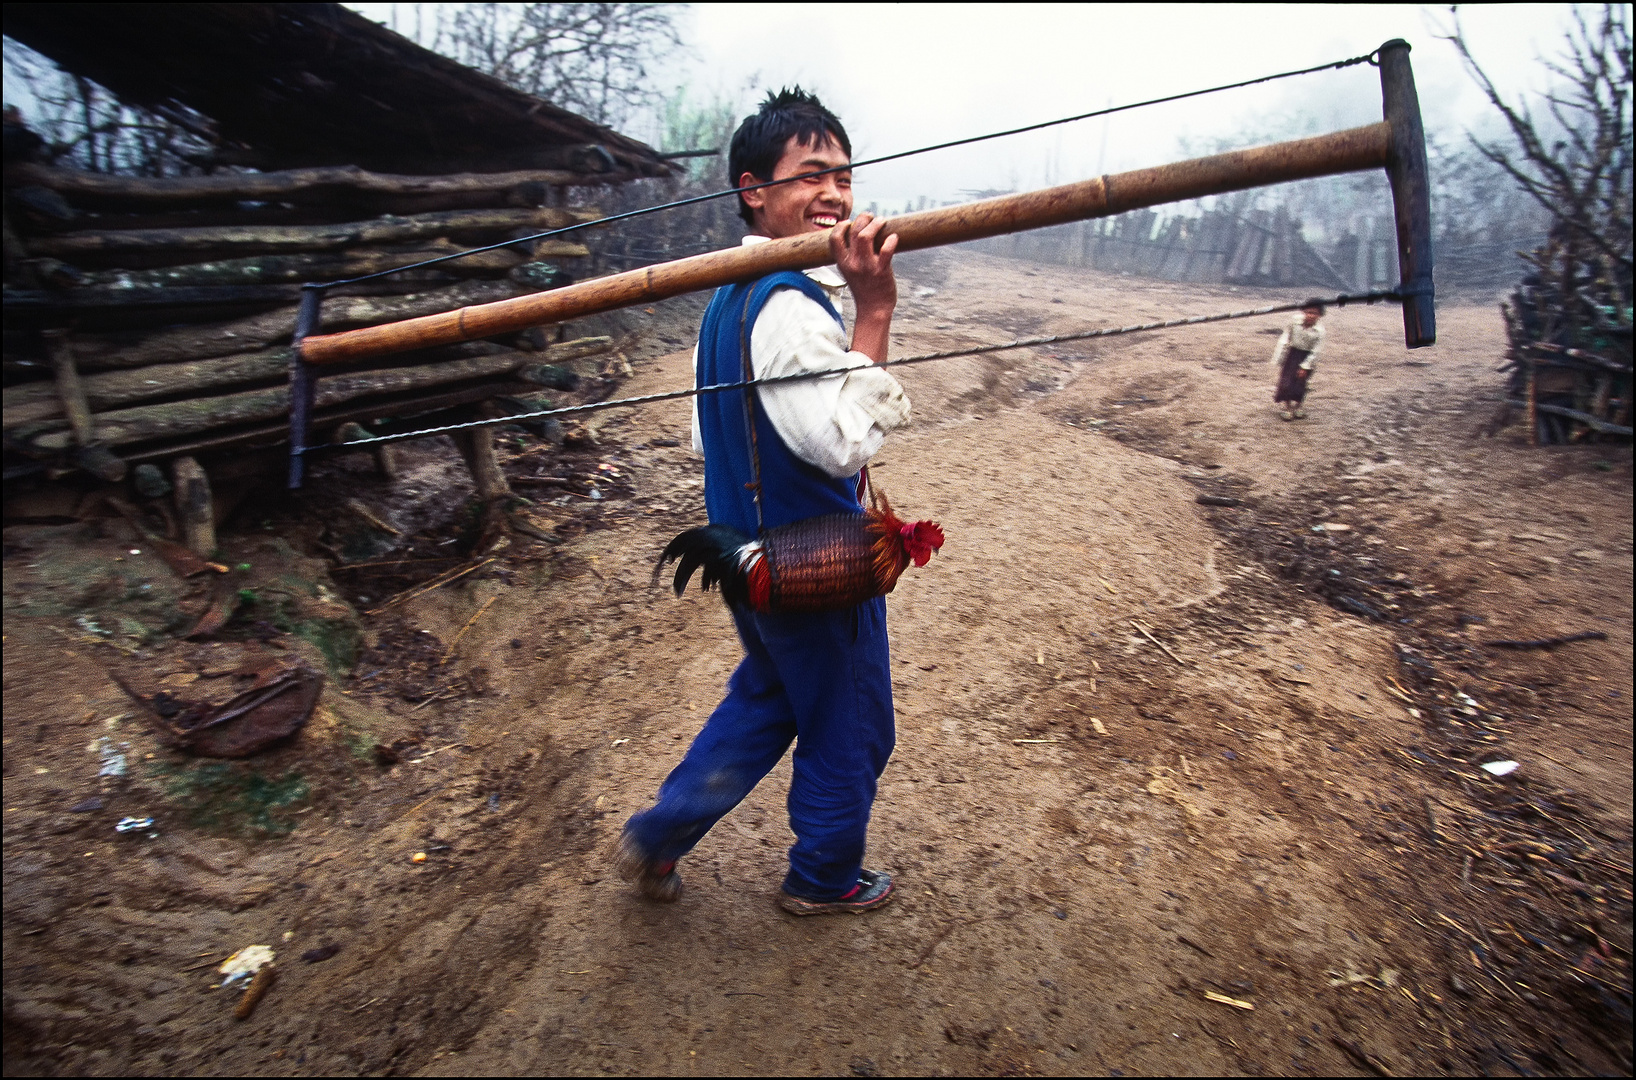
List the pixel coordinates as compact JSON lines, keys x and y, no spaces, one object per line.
{"x":835,"y":424}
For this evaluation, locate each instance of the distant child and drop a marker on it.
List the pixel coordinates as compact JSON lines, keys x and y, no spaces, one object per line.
{"x":1295,"y":358}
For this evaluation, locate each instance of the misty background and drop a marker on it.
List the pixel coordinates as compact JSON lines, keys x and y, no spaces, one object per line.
{"x":680,"y":77}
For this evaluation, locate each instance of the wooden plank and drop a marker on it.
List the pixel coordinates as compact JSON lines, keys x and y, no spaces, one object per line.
{"x":289,"y":185}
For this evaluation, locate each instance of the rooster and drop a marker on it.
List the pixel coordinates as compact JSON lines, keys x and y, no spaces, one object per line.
{"x":826,"y":563}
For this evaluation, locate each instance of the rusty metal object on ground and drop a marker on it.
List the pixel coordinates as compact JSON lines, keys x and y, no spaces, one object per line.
{"x":274,"y":708}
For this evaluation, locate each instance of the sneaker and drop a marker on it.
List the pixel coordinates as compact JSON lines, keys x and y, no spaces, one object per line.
{"x":1300,"y":414}
{"x":1286,"y":415}
{"x":872,"y":890}
{"x":657,"y":881}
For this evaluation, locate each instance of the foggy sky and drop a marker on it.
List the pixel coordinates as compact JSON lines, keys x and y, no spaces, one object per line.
{"x":902,"y":76}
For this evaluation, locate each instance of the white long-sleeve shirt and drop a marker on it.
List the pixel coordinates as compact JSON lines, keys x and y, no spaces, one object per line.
{"x":835,"y":424}
{"x":1309,"y":339}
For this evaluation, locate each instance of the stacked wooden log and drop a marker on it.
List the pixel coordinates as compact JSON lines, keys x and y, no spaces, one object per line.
{"x":148,"y":319}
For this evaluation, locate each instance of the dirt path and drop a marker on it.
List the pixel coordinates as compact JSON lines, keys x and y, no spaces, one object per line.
{"x":1148,"y":751}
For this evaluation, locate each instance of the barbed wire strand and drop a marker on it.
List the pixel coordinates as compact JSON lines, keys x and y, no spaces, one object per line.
{"x":1334,"y":65}
{"x":949,"y":354}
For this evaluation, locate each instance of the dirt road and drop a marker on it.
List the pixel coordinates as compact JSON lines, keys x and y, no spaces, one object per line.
{"x":1178,"y":788}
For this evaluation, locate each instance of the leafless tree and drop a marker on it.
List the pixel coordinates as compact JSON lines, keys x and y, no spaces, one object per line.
{"x":1575,"y":160}
{"x":590,"y":58}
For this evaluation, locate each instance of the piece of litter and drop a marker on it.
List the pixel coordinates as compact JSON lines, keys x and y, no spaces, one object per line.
{"x":255,"y":992}
{"x":132,"y":824}
{"x":619,"y":742}
{"x":419,"y":856}
{"x":1211,"y":995}
{"x":1097,"y":724}
{"x":85,"y":806}
{"x":113,"y":762}
{"x":244,"y":963}
{"x":1500,"y":768}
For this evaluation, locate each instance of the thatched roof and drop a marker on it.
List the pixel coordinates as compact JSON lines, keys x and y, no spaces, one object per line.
{"x":316,"y":84}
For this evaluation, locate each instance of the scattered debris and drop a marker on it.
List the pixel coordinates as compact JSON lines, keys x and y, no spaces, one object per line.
{"x":436,"y":583}
{"x":222,"y":608}
{"x":1368,"y":1061}
{"x":1157,"y":642}
{"x":113,"y":761}
{"x":449,"y":653}
{"x":1548,"y":643}
{"x":244,"y":964}
{"x":1500,"y":768}
{"x":1191,"y":944}
{"x":133,"y":824}
{"x":259,"y":985}
{"x":320,"y":954}
{"x":85,"y":806}
{"x":1237,"y":1003}
{"x":1386,"y":980}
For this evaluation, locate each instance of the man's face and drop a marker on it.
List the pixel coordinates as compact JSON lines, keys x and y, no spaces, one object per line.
{"x":1310,"y":316}
{"x":810,"y":205}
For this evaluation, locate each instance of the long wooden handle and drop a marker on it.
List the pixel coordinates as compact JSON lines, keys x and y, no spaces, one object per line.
{"x":1325,"y":155}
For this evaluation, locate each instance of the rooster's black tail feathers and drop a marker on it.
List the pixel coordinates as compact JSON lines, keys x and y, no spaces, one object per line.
{"x":713,"y":547}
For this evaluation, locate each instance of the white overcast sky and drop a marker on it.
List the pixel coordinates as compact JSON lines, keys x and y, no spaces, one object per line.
{"x":904,"y":75}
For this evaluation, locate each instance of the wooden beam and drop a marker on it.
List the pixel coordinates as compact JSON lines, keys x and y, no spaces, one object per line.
{"x":1325,"y":155}
{"x":290,"y":185}
{"x":273,"y":239}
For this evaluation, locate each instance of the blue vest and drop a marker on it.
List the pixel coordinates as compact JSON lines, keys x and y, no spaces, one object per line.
{"x":791,"y":489}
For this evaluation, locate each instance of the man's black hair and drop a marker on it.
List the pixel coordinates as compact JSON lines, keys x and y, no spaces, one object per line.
{"x":760,"y":141}
{"x":1314,"y":303}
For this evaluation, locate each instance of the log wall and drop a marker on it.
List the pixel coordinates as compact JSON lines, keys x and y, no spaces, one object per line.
{"x":151,"y":318}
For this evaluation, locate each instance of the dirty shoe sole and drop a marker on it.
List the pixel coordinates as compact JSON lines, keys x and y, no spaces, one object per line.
{"x":875,"y":892}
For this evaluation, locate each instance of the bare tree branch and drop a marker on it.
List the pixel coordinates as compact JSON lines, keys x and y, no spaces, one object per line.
{"x":1576,"y":163}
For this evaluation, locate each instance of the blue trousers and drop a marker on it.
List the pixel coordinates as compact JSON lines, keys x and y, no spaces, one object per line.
{"x":822,"y":682}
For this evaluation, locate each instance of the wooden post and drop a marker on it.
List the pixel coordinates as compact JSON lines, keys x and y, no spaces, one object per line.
{"x":69,"y":388}
{"x":1411,"y":193}
{"x":477,"y":447}
{"x":91,"y":456}
{"x":1532,"y":398}
{"x":194,"y":506}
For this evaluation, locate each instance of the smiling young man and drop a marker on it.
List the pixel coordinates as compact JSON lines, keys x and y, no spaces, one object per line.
{"x":820,"y":681}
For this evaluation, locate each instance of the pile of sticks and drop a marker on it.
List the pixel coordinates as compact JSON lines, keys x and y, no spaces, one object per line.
{"x":1567,"y":394}
{"x":150,"y":318}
